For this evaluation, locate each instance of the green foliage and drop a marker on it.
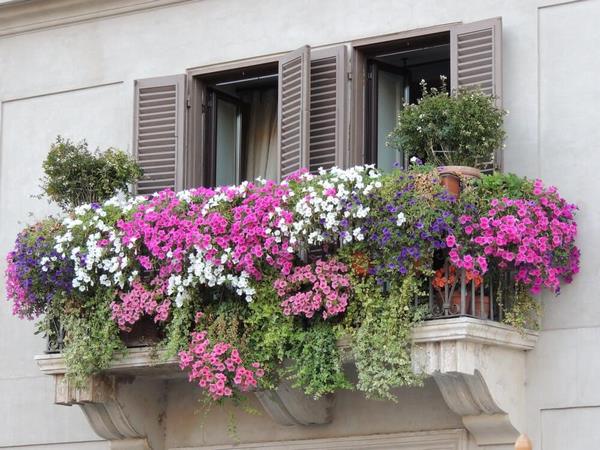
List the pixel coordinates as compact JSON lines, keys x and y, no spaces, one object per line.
{"x":92,"y":337}
{"x":382,"y":343}
{"x":178,"y":329}
{"x":524,"y":311}
{"x":316,"y":364}
{"x":496,"y":186}
{"x":74,"y":175}
{"x":443,"y":129}
{"x":271,"y":333}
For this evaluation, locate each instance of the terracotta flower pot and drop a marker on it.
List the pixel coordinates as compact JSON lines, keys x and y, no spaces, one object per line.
{"x":455,"y":303}
{"x":485,"y":314}
{"x":451,"y":182}
{"x":450,"y":177}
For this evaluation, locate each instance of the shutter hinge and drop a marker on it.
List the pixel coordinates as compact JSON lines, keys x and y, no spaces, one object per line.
{"x":370,"y":75}
{"x":349,"y":75}
{"x":204,"y":108}
{"x":188,"y":102}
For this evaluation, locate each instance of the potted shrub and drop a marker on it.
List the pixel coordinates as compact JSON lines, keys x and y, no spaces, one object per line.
{"x":458,"y":132}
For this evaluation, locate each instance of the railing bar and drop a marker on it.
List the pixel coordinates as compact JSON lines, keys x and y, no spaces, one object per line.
{"x":473,"y":311}
{"x":504,"y":300}
{"x":430,"y":296}
{"x":481,"y":310}
{"x":463,"y":293}
{"x":491,"y":297}
{"x":446,"y":302}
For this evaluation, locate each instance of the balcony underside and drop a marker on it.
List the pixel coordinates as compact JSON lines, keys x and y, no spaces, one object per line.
{"x":478,"y":365}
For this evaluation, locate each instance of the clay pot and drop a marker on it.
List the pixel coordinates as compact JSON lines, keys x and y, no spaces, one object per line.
{"x":462,"y":171}
{"x":485,"y":314}
{"x":450,"y":177}
{"x":455,"y":303}
{"x":451,"y":182}
{"x":143,"y":333}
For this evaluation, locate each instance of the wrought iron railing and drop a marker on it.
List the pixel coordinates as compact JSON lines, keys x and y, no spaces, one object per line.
{"x":457,"y":292}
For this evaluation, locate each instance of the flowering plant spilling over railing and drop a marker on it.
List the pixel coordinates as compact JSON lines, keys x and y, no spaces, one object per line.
{"x":239,"y":279}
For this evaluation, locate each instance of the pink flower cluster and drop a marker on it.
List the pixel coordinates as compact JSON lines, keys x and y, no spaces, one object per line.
{"x":533,"y":237}
{"x":15,"y":289}
{"x":137,"y":302}
{"x":310,"y":289}
{"x":238,"y":227}
{"x":218,"y":368}
{"x":259,"y":230}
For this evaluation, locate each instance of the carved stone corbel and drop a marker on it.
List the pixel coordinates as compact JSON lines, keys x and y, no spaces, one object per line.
{"x":103,"y":407}
{"x":479,"y":367}
{"x":289,"y":406}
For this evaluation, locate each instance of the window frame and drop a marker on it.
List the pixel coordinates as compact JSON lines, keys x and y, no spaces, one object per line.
{"x":360,"y":50}
{"x":370,"y":143}
{"x":196,"y":170}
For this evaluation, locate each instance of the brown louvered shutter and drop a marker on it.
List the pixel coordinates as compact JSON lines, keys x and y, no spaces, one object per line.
{"x":158,"y":132}
{"x":476,"y":62}
{"x":293,"y":113}
{"x":476,"y":56}
{"x":327,"y":107}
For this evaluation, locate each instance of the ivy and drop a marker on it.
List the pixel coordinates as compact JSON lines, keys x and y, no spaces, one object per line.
{"x":92,"y":337}
{"x":316,"y":365}
{"x":382,"y":343}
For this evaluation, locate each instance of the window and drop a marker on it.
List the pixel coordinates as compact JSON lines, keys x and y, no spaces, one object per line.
{"x":240,"y":119}
{"x":268,"y":119}
{"x":394,"y":73}
{"x":273,"y":115}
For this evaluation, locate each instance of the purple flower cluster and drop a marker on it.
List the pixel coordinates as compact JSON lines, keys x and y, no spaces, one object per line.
{"x":407,"y":225}
{"x":33,"y":266}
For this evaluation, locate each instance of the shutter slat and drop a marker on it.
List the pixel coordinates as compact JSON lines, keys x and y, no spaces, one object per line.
{"x":476,"y":59}
{"x":292,"y":123}
{"x":476,"y":56}
{"x":159,"y":115}
{"x":327,"y":107}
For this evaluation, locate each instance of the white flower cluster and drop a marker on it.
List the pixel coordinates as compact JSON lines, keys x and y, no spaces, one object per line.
{"x":202,"y":271}
{"x":106,"y":263}
{"x":324,"y":205}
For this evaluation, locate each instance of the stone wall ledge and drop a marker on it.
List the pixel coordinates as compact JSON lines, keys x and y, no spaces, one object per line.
{"x":478,"y":365}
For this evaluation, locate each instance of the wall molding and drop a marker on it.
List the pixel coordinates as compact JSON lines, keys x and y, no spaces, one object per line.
{"x":25,"y":16}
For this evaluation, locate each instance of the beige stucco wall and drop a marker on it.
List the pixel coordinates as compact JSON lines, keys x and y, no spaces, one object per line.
{"x":77,"y":80}
{"x":418,"y":409}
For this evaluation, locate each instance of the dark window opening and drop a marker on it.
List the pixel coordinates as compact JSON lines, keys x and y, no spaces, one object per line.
{"x":394,"y":74}
{"x":240,"y":114}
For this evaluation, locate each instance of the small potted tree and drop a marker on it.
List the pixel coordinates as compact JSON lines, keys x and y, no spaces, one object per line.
{"x":458,"y":132}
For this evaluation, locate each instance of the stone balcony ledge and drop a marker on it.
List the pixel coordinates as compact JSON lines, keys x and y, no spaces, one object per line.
{"x":478,"y":365}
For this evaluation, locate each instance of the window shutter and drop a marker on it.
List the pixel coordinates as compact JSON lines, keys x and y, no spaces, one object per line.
{"x":476,"y":56}
{"x":293,"y":113}
{"x":327,"y":107}
{"x":476,"y":62}
{"x":158,"y":132}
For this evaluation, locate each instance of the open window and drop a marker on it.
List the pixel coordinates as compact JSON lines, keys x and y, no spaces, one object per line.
{"x":394,"y":74}
{"x":467,"y":55}
{"x":240,"y":122}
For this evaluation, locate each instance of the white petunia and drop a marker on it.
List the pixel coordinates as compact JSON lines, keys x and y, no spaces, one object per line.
{"x":401,"y":219}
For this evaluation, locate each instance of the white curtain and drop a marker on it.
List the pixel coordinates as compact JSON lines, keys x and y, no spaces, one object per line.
{"x":261,"y":156}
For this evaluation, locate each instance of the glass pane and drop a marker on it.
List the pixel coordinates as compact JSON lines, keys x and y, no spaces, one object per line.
{"x":228,"y":143}
{"x":390,"y":94}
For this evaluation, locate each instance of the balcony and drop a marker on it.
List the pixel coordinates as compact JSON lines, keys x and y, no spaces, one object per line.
{"x":477,"y":364}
